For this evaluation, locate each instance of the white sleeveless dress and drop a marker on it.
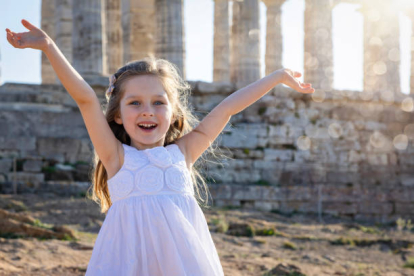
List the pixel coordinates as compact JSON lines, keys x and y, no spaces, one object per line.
{"x":154,"y":225}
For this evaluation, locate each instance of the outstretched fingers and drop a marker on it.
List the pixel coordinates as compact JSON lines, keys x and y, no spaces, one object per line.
{"x":14,"y":39}
{"x":28,"y":25}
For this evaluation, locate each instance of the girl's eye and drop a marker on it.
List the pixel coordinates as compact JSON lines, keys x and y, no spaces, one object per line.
{"x":155,"y":102}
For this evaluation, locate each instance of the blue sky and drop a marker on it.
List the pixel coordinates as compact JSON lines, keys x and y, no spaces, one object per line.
{"x":23,"y":66}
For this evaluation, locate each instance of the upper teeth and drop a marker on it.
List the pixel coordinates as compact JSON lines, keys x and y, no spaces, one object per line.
{"x":145,"y":125}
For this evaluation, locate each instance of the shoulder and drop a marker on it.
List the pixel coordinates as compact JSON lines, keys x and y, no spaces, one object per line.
{"x":181,"y":145}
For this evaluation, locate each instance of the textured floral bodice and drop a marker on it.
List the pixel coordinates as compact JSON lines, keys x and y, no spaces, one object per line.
{"x":159,"y":170}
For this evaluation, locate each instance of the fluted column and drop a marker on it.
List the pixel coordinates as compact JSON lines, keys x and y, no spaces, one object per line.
{"x":318,"y":58}
{"x":245,"y":60}
{"x":114,"y":49}
{"x":411,"y":15}
{"x":89,"y":37}
{"x":274,"y":39}
{"x":48,"y":25}
{"x":169,"y":32}
{"x":138,"y":23}
{"x":221,"y":64}
{"x":64,"y":28}
{"x":381,"y":50}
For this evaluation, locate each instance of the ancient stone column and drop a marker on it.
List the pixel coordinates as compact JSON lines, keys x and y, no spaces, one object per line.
{"x":169,"y":32}
{"x":318,"y":58}
{"x":274,"y":39}
{"x":64,"y":28}
{"x":89,"y":37}
{"x":381,"y":49}
{"x":411,"y":15}
{"x":114,"y":48}
{"x":221,"y":63}
{"x":245,"y":56}
{"x":138,"y":23}
{"x":48,"y":25}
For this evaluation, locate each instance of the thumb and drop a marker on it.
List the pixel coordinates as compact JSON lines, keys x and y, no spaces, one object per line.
{"x":28,"y":25}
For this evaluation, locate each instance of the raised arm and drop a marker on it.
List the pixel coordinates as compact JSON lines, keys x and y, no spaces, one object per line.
{"x":104,"y":141}
{"x":35,"y":38}
{"x":198,"y":140}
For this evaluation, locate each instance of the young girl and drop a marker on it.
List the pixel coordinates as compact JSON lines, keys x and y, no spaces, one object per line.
{"x":145,"y":149}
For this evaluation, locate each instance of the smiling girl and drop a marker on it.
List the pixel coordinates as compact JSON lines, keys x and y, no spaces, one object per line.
{"x":145,"y":148}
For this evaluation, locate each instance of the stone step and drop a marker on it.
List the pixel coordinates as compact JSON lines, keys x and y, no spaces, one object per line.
{"x":26,"y":106}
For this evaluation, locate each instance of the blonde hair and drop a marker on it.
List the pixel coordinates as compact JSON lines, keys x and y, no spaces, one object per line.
{"x":178,"y":92}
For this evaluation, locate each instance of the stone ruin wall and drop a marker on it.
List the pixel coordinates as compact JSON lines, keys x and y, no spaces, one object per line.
{"x":344,"y":153}
{"x":350,"y":168}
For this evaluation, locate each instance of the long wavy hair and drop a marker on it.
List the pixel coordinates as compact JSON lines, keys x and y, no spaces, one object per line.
{"x":178,"y":92}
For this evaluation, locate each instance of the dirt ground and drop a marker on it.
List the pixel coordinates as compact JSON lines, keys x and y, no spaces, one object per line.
{"x":248,"y":242}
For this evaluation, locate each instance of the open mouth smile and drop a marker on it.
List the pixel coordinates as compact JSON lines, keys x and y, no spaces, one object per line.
{"x":147,"y":127}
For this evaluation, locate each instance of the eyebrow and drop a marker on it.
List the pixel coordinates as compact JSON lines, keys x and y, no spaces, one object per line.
{"x":134,"y":96}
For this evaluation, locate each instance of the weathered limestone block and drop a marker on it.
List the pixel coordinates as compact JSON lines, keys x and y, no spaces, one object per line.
{"x":339,"y":208}
{"x":32,"y":165}
{"x":407,"y":180}
{"x":59,"y":149}
{"x":267,"y":165}
{"x":266,"y":205}
{"x":222,"y":175}
{"x":302,"y":156}
{"x":236,"y":164}
{"x":52,"y":124}
{"x":239,"y":140}
{"x":225,"y":202}
{"x":6,"y":165}
{"x":342,"y":177}
{"x":221,"y":191}
{"x":247,"y":192}
{"x":86,"y":150}
{"x":404,"y":208}
{"x":383,"y":208}
{"x":340,"y":193}
{"x":206,"y":103}
{"x":248,"y":154}
{"x":299,"y":206}
{"x":272,"y":175}
{"x":377,"y":159}
{"x":278,"y":155}
{"x":28,"y":178}
{"x":401,"y":194}
{"x":247,"y":176}
{"x":17,"y":143}
{"x":299,"y":193}
{"x":216,"y":87}
{"x":272,"y":194}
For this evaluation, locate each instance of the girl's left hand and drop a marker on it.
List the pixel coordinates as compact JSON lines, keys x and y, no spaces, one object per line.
{"x":289,"y":78}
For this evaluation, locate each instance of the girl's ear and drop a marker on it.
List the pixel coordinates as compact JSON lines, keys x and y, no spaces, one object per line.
{"x":118,"y":119}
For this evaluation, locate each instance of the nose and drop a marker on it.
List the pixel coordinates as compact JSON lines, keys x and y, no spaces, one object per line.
{"x":147,"y":112}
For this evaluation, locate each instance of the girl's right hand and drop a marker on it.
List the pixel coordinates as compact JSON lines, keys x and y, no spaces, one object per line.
{"x":35,"y":38}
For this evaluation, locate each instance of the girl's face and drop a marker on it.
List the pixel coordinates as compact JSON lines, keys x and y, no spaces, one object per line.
{"x":145,"y":103}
